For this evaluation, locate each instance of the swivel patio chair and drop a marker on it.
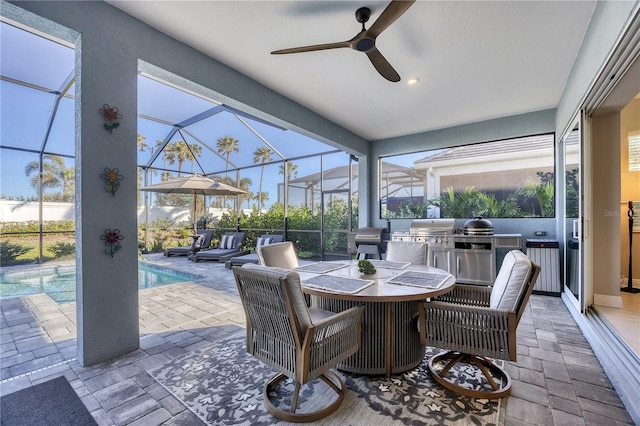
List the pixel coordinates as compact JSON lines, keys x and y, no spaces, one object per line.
{"x":407,"y":251}
{"x":475,"y":323}
{"x":298,"y":342}
{"x":203,"y":242}
{"x":281,"y":255}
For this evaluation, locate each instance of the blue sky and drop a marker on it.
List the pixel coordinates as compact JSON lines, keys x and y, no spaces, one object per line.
{"x":25,"y":112}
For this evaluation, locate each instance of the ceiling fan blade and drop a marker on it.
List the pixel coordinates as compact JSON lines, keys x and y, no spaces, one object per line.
{"x":312,"y":48}
{"x":394,"y":10}
{"x":382,"y":65}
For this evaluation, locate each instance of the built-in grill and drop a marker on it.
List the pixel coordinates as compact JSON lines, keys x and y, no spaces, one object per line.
{"x":431,"y":231}
{"x":371,"y":241}
{"x":471,"y":256}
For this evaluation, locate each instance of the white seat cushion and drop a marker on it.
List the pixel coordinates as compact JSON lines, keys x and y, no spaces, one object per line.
{"x":510,"y":284}
{"x":405,"y":251}
{"x":280,"y":255}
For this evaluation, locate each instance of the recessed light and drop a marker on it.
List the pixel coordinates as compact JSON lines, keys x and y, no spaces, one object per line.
{"x":413,"y":81}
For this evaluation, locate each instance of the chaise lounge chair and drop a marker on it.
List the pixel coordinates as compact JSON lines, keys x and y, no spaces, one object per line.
{"x":203,"y":242}
{"x":230,"y":245}
{"x":253,"y":257}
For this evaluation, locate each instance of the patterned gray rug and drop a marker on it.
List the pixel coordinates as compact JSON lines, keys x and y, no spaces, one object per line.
{"x":222,"y":385}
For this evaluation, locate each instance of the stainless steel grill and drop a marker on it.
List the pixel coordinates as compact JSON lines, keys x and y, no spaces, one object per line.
{"x":371,"y":241}
{"x":470,"y":257}
{"x":429,"y":227}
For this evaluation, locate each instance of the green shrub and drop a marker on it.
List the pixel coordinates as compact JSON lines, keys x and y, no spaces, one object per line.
{"x":62,"y":249}
{"x":9,"y":252}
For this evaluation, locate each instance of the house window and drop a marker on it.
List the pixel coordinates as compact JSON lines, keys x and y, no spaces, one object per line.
{"x":501,"y":179}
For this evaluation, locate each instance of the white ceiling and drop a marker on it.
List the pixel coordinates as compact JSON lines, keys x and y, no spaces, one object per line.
{"x":476,"y":60}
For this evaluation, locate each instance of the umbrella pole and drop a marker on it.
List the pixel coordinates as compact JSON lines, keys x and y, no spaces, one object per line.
{"x":195,"y":220}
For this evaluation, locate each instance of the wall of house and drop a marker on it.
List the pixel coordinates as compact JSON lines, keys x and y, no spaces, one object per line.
{"x":629,"y":190}
{"x":111,"y":47}
{"x":491,"y":130}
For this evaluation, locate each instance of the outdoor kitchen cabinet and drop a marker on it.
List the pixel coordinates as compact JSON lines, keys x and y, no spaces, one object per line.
{"x":441,"y":260}
{"x":474,"y":265}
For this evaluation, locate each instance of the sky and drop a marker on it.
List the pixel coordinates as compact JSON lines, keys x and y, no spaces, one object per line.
{"x":25,"y":113}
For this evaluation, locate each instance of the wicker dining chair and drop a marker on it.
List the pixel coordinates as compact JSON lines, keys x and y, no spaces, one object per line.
{"x":279,"y":255}
{"x":476,"y":323}
{"x":298,"y":342}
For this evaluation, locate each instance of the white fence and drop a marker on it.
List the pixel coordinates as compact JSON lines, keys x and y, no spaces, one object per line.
{"x":25,"y":211}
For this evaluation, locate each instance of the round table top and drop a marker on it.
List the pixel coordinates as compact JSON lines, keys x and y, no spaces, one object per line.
{"x":381,"y":290}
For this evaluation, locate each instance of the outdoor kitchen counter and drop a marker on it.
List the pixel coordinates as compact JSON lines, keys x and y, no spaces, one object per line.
{"x":391,"y":341}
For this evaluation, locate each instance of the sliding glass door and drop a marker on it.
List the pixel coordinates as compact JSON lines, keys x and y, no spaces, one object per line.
{"x":573,"y":215}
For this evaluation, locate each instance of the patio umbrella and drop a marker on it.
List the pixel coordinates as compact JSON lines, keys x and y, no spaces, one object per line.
{"x":196,"y":185}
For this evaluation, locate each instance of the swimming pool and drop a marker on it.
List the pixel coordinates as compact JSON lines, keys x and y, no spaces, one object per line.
{"x":59,"y":282}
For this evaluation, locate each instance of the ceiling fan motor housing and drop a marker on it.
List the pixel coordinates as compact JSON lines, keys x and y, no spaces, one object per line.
{"x":365,"y":44}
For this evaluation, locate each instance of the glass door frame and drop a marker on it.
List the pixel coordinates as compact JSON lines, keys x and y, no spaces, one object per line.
{"x":578,"y":228}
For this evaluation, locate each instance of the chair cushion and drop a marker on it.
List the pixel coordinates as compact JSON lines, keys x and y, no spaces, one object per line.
{"x":510,"y":284}
{"x":227,"y":242}
{"x":404,"y":251}
{"x":281,"y":255}
{"x":318,"y":314}
{"x":294,"y":288}
{"x":261,"y":241}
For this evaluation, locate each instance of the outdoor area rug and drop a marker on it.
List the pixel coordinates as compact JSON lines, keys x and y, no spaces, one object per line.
{"x":222,"y":384}
{"x":53,"y":402}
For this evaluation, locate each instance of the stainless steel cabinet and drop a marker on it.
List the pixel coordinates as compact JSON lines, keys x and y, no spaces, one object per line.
{"x":440,"y":259}
{"x":474,"y":266}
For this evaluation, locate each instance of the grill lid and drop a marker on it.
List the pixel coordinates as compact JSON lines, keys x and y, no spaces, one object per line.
{"x":371,"y":235}
{"x":478,"y":226}
{"x":432,"y":226}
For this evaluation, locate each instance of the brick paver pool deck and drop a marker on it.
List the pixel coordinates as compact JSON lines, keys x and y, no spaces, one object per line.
{"x":557,"y":380}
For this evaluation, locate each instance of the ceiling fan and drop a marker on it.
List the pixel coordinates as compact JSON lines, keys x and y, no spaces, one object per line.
{"x":365,"y":40}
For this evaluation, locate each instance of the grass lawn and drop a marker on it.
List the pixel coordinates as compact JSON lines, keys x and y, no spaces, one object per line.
{"x":32,"y":242}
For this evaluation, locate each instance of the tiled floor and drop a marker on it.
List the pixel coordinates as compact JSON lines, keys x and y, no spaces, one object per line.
{"x":556,"y":380}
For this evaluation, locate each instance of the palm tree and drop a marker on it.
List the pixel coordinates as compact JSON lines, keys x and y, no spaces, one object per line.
{"x":245,"y":185}
{"x":543,"y":193}
{"x":55,"y":174}
{"x":227,"y":145}
{"x":168,"y":154}
{"x":261,"y":155}
{"x":292,"y":170}
{"x":261,"y":197}
{"x":184,"y":152}
{"x":142,"y":143}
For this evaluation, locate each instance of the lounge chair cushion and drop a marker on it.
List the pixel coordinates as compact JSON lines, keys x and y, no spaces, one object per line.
{"x":510,"y":284}
{"x":227,"y":242}
{"x":263,"y":241}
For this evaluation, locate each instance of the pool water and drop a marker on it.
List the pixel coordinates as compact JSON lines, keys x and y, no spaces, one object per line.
{"x":59,"y":282}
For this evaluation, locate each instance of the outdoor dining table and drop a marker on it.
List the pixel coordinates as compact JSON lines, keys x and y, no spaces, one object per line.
{"x":393,"y":297}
